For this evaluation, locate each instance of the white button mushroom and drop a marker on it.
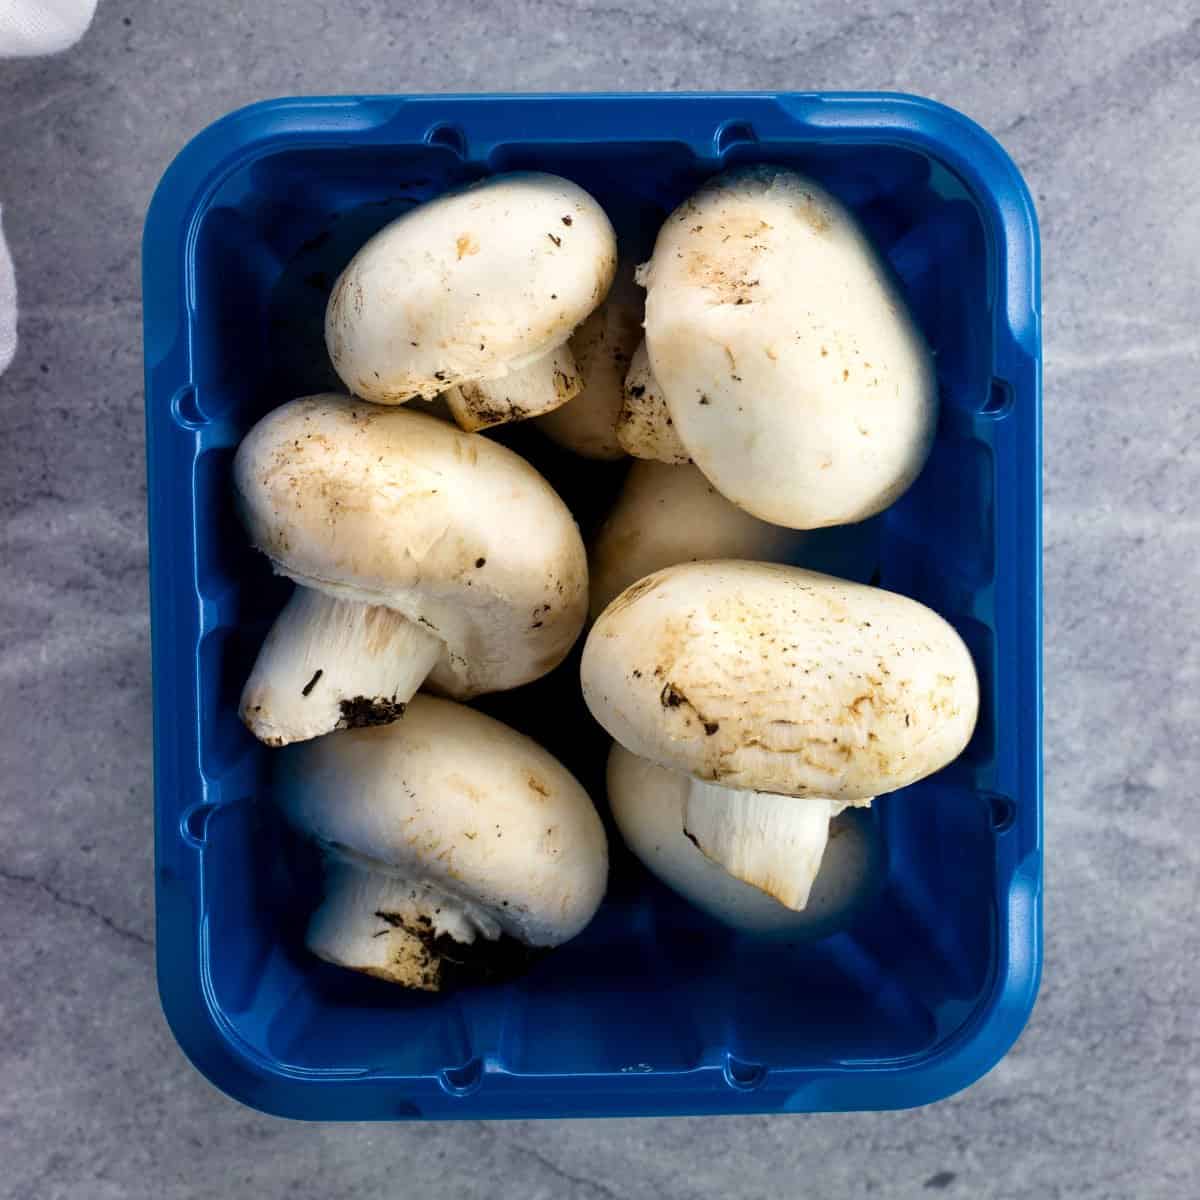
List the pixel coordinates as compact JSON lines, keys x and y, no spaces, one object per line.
{"x":420,"y":550}
{"x":444,"y":836}
{"x":602,"y":346}
{"x":794,"y":373}
{"x":777,"y":678}
{"x":774,"y":682}
{"x":475,"y":294}
{"x":666,"y":515}
{"x":650,"y":806}
{"x":645,"y":427}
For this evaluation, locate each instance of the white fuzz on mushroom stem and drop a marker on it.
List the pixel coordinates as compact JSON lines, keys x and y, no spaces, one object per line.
{"x":384,"y":924}
{"x":774,"y":843}
{"x":333,"y":664}
{"x":537,"y":387}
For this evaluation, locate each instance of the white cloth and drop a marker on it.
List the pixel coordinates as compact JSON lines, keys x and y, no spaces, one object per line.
{"x":30,"y":27}
{"x":8,"y":303}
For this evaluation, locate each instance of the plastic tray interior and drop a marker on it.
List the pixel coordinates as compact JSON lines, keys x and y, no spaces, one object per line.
{"x":654,"y":1009}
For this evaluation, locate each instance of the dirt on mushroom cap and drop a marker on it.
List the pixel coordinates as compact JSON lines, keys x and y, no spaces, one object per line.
{"x":394,"y":508}
{"x":468,"y":287}
{"x":795,"y":375}
{"x":462,"y":805}
{"x":781,"y":680}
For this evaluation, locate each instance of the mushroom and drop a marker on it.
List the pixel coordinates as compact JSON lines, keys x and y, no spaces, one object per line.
{"x":602,"y":347}
{"x":667,"y":515}
{"x":450,"y":842}
{"x":645,"y":427}
{"x":779,"y":687}
{"x":795,"y":375}
{"x":649,"y":804}
{"x":421,"y":552}
{"x":474,"y":294}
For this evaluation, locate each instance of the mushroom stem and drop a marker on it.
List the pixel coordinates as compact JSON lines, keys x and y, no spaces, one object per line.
{"x":774,"y":843}
{"x":645,"y":427}
{"x":537,"y":387}
{"x":334,"y":664}
{"x":385,"y":925}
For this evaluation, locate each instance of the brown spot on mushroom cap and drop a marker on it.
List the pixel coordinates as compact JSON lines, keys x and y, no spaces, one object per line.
{"x":631,"y":593}
{"x":466,"y":244}
{"x":465,"y":787}
{"x":815,"y":214}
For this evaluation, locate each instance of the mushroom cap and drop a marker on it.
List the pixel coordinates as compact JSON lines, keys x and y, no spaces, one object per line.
{"x":777,"y":679}
{"x":452,"y":798}
{"x":389,"y":507}
{"x":470,"y":286}
{"x":795,"y":375}
{"x":648,"y":804}
{"x":670,"y":514}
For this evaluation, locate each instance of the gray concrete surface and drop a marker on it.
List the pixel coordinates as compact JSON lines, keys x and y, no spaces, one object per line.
{"x":1098,"y":105}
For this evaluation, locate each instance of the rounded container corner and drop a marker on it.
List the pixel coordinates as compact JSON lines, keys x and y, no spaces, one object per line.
{"x":197,"y":168}
{"x":1003,"y":1018}
{"x":200,"y":1041}
{"x":990,"y":174}
{"x":967,"y":140}
{"x":206,"y":1046}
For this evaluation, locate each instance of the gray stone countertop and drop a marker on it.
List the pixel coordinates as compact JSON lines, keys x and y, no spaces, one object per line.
{"x":1098,"y":103}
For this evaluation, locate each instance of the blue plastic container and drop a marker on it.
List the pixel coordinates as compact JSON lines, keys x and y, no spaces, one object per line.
{"x":654,"y":1009}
